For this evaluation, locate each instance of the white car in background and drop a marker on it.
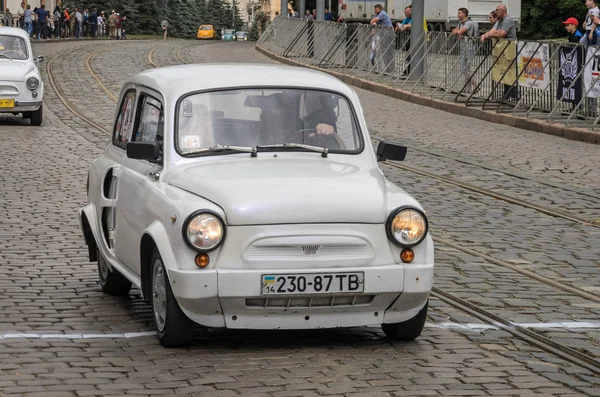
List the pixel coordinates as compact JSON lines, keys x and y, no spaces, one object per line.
{"x":254,"y":201}
{"x":21,"y":86}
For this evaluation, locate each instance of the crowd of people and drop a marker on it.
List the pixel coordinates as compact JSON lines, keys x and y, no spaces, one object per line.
{"x":77,"y":23}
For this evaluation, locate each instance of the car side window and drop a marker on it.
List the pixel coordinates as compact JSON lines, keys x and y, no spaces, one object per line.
{"x":149,"y":126}
{"x":124,"y":125}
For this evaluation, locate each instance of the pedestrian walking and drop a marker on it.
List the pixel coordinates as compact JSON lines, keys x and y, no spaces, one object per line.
{"x":112,"y":21}
{"x":42,"y":23}
{"x":57,"y":22}
{"x":20,"y":15}
{"x":164,"y":25}
{"x":572,"y":25}
{"x":28,"y":20}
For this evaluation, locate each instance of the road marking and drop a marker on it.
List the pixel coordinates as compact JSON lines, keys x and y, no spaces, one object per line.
{"x":476,"y":327}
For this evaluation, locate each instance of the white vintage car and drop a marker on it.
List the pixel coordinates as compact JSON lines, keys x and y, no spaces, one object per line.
{"x":254,"y":201}
{"x":21,"y":86}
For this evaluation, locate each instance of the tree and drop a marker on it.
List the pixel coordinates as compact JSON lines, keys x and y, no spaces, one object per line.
{"x":542,"y":19}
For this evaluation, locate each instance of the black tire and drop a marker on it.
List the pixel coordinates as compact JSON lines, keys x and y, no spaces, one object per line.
{"x":409,"y":329}
{"x":26,"y":115}
{"x":173,"y":327}
{"x":111,"y":281}
{"x":36,"y":117}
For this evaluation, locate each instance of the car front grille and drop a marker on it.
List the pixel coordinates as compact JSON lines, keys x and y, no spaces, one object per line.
{"x":8,"y":90}
{"x":309,"y":301}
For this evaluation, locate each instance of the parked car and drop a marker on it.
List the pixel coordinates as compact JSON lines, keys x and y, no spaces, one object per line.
{"x":241,"y":36}
{"x":228,"y":35}
{"x":206,"y":32}
{"x":248,"y":201}
{"x":21,"y":85}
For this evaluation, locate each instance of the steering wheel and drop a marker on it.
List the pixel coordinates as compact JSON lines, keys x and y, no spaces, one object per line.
{"x":331,"y":141}
{"x":5,"y":51}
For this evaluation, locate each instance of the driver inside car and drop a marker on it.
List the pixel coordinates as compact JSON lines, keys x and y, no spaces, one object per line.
{"x":292,"y":117}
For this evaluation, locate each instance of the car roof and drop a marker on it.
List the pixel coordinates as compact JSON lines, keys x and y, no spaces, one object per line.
{"x":9,"y":31}
{"x":175,"y":81}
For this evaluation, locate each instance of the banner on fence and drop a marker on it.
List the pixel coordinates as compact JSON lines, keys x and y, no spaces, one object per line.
{"x":533,"y":65}
{"x":504,"y":62}
{"x":591,"y":76}
{"x":571,"y":64}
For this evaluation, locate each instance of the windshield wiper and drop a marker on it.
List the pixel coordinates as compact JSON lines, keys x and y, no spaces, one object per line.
{"x":6,"y":56}
{"x":225,"y":148}
{"x":322,"y":150}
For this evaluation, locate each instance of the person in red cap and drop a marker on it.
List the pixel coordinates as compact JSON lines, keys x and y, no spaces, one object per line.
{"x":571,"y":24}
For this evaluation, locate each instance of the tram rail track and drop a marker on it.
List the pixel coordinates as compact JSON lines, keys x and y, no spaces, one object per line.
{"x":562,"y":351}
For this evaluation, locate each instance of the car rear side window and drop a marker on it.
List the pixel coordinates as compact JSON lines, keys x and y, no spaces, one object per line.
{"x":124,"y":126}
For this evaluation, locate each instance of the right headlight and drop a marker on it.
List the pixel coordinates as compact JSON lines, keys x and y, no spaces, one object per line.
{"x":407,"y":226}
{"x":33,"y":83}
{"x":203,"y":231}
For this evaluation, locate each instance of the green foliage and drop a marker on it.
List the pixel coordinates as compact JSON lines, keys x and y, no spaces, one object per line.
{"x":542,"y":19}
{"x":184,"y":16}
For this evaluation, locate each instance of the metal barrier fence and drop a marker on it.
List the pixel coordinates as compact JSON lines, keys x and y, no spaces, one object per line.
{"x":534,"y":79}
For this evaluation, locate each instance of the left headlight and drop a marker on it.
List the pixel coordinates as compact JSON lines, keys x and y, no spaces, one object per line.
{"x":33,"y":83}
{"x":204,"y":231}
{"x":407,"y":227}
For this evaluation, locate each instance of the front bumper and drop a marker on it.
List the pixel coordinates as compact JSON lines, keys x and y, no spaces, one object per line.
{"x":232,"y":298}
{"x":23,"y":106}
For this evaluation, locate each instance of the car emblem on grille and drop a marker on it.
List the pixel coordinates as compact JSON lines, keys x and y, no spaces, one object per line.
{"x":310,"y":249}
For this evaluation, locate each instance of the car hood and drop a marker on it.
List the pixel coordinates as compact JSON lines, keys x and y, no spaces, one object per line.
{"x":14,"y":70}
{"x":282,"y":191}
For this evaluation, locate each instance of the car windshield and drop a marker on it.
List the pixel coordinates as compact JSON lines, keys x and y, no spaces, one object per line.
{"x":229,"y":31}
{"x":241,"y":33}
{"x":206,"y":27}
{"x":259,"y":117}
{"x":12,"y":47}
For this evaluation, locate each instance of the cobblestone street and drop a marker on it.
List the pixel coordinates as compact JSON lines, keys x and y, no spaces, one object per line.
{"x":515,"y":215}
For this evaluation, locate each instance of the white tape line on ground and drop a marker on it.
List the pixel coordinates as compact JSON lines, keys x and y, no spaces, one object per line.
{"x":476,"y":327}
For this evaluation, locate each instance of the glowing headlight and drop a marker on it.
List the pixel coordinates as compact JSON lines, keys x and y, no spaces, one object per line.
{"x":203,"y":231}
{"x":407,"y":227}
{"x":33,"y":83}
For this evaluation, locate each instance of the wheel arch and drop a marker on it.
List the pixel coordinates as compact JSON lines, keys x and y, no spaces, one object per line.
{"x":154,"y":237}
{"x":88,"y":231}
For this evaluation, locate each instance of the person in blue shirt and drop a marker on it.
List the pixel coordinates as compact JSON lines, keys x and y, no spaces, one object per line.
{"x":42,"y":14}
{"x":571,"y":24}
{"x":328,"y":15}
{"x":381,"y":17}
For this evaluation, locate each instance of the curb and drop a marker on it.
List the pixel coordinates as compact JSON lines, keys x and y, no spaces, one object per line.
{"x":536,"y":125}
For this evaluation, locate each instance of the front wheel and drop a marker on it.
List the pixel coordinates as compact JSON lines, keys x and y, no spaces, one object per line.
{"x":173,"y":327}
{"x":111,"y":281}
{"x":36,"y":117}
{"x":409,"y":329}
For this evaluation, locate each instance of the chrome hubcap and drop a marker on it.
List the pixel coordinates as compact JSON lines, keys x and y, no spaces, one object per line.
{"x":159,"y":295}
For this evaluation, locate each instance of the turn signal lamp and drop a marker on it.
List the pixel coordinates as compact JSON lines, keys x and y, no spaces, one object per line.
{"x":407,"y":255}
{"x":202,"y":260}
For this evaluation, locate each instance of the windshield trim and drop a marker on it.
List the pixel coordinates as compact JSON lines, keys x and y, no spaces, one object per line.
{"x":25,"y":46}
{"x":359,"y":130}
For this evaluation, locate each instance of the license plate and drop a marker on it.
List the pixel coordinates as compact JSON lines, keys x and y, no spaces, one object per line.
{"x":323,"y":283}
{"x":7,"y":103}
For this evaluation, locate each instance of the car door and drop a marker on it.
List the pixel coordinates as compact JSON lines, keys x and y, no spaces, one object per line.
{"x":109,"y":167}
{"x":137,"y":179}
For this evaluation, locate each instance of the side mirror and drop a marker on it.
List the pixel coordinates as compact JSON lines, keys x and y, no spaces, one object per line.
{"x":39,"y":59}
{"x":143,"y":151}
{"x":390,"y":151}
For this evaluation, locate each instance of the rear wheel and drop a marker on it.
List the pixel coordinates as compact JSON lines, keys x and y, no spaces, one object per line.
{"x":111,"y":281}
{"x":36,"y":117}
{"x":173,"y":327}
{"x":407,"y":330}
